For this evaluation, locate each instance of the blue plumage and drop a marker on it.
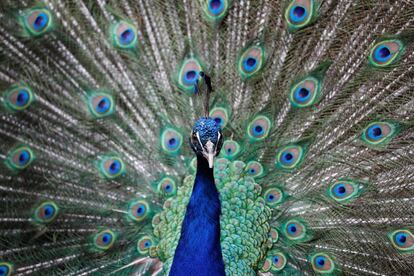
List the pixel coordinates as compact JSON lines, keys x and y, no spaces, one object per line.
{"x":199,"y":251}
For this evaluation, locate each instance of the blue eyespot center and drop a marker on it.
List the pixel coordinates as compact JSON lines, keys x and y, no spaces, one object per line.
{"x":302,"y":94}
{"x":228,"y":150}
{"x":41,"y":21}
{"x":292,"y":228}
{"x":320,"y":261}
{"x":24,"y":157}
{"x":382,"y":53}
{"x":252,"y":171}
{"x":22,"y":98}
{"x":250,"y":64}
{"x":271,"y":197}
{"x":147,"y":244}
{"x":103,"y":105}
{"x":258,"y":130}
{"x":190,"y":77}
{"x":216,"y":6}
{"x":168,"y":188}
{"x":3,"y":270}
{"x":401,"y":238}
{"x":48,"y":211}
{"x":340,"y":190}
{"x":115,"y":167}
{"x":127,"y":36}
{"x":375,"y":132}
{"x":106,"y":238}
{"x":276,"y":259}
{"x":141,"y":210}
{"x":298,"y":14}
{"x":172,"y":142}
{"x":287,"y":157}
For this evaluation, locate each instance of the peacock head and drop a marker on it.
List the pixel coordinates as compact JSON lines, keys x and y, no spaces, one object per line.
{"x":206,"y":139}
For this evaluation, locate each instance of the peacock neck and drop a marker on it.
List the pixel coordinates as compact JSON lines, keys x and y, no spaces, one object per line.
{"x":199,"y":251}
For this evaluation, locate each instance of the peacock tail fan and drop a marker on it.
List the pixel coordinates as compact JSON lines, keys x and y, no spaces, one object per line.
{"x":313,"y":101}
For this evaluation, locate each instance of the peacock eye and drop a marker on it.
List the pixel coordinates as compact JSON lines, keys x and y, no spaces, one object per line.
{"x":111,"y":167}
{"x":188,"y":74}
{"x":289,"y":157}
{"x":144,"y":244}
{"x":343,"y":191}
{"x":279,"y":261}
{"x":171,"y":141}
{"x":220,"y":115}
{"x":251,"y":61}
{"x":101,"y":105}
{"x":258,"y":129}
{"x":138,"y":210}
{"x":403,"y":240}
{"x":20,"y":158}
{"x":299,"y":13}
{"x":322,"y":263}
{"x":167,"y":187}
{"x":305,"y":93}
{"x":37,"y":21}
{"x":230,"y":149}
{"x":294,"y":230}
{"x":46,"y":212}
{"x":124,"y":35}
{"x":18,"y":98}
{"x":254,"y":169}
{"x":105,"y":239}
{"x":378,"y":134}
{"x":6,"y":269}
{"x":385,"y":52}
{"x":274,"y":196}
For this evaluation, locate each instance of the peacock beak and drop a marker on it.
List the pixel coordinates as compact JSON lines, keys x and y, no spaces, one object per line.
{"x":209,"y":153}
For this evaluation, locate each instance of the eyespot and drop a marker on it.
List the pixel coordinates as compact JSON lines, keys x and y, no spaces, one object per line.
{"x":274,"y":197}
{"x":167,"y":187}
{"x":20,"y":158}
{"x":111,"y":167}
{"x":254,"y":169}
{"x":124,"y":35}
{"x":403,"y":240}
{"x":171,"y":141}
{"x":138,"y":210}
{"x":46,"y":212}
{"x":385,"y":52}
{"x":289,"y":157}
{"x":378,"y":134}
{"x":144,"y":244}
{"x":101,"y":105}
{"x":274,"y":235}
{"x":188,"y":74}
{"x":104,"y":239}
{"x":279,"y":261}
{"x":18,"y":98}
{"x":294,"y":230}
{"x":322,"y":263}
{"x":251,"y":61}
{"x":6,"y":269}
{"x":37,"y":21}
{"x":299,"y":13}
{"x":220,"y":115}
{"x":215,"y":10}
{"x":258,"y":129}
{"x":344,"y":190}
{"x":230,"y":149}
{"x":305,"y":93}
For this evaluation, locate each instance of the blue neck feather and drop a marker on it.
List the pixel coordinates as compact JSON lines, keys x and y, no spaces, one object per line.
{"x":199,"y":252}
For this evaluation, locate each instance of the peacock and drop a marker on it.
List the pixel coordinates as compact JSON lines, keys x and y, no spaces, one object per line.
{"x":206,"y":137}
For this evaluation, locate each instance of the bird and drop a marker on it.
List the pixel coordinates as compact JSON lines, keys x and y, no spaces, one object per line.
{"x":207,"y":137}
